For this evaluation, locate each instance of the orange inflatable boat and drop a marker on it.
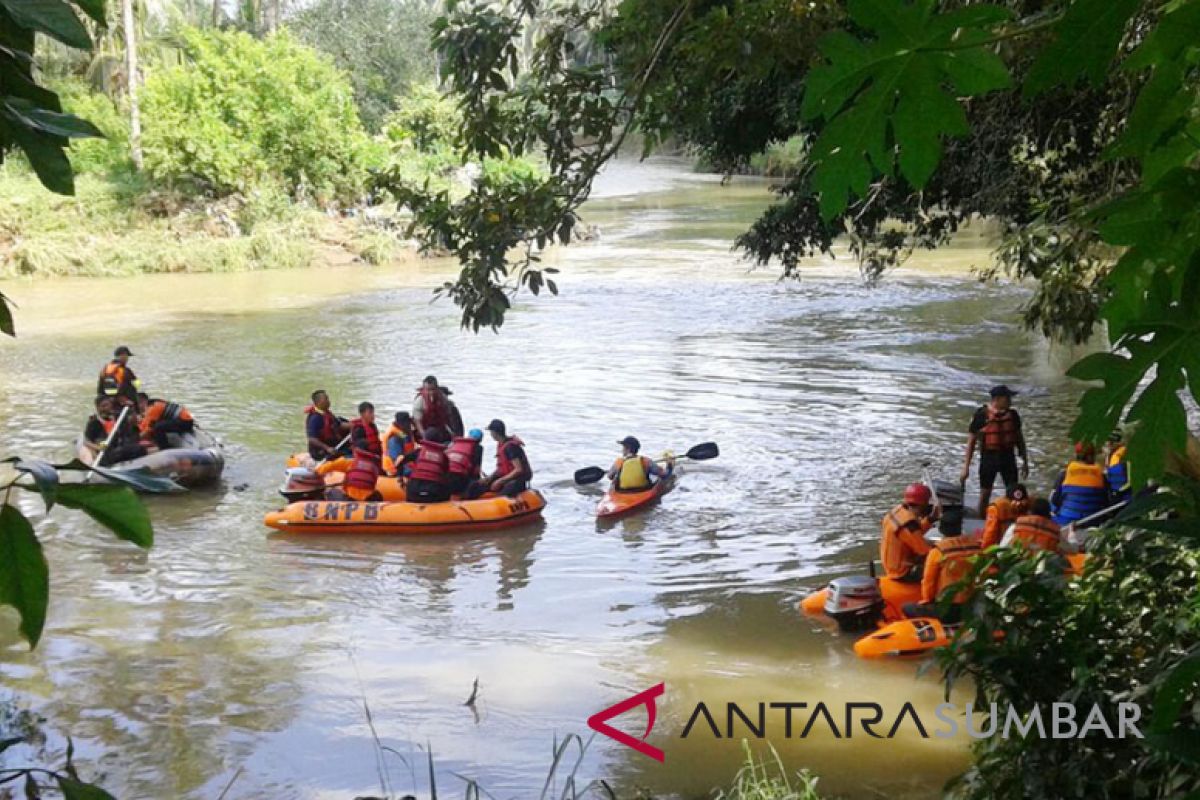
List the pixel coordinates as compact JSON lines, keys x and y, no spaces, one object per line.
{"x":488,"y":513}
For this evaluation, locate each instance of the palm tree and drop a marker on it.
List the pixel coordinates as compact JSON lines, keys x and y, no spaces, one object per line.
{"x":131,"y":72}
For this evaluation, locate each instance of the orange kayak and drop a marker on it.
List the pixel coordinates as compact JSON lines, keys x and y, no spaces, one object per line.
{"x":488,"y":513}
{"x":617,"y":503}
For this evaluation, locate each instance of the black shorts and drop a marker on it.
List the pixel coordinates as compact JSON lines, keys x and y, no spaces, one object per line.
{"x":992,"y":464}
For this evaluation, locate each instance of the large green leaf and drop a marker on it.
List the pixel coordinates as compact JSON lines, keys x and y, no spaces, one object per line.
{"x":885,"y":100}
{"x":115,"y":507}
{"x":95,"y":10}
{"x":1085,"y":43}
{"x":24,"y":575}
{"x":140,"y":479}
{"x":78,"y":790}
{"x":55,"y":18}
{"x":44,"y":475}
{"x":46,"y":155}
{"x":23,"y":111}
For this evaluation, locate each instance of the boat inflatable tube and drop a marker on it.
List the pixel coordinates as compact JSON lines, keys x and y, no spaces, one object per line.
{"x":402,"y":518}
{"x":194,"y":459}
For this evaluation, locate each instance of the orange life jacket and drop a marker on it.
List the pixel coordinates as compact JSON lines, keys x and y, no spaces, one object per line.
{"x":162,"y":411}
{"x":363,"y":472}
{"x":431,"y":463}
{"x":950,"y":565}
{"x":390,"y":464}
{"x":1038,"y":533}
{"x":899,"y":548}
{"x":1000,"y":432}
{"x":1000,"y":515}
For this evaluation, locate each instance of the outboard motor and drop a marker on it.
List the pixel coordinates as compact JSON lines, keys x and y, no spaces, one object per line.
{"x":303,"y":484}
{"x":951,"y":494}
{"x":855,"y":603}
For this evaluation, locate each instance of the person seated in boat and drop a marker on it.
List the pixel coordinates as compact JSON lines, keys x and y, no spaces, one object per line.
{"x":903,"y":547}
{"x":465,"y":461}
{"x":399,"y":445}
{"x":125,"y":445}
{"x":158,"y":418}
{"x":431,"y":407}
{"x":1082,"y":489}
{"x":1116,"y":470}
{"x":364,"y":435}
{"x":429,"y":481}
{"x":359,"y":480}
{"x":632,"y":472}
{"x":323,"y":428}
{"x":1002,"y":513}
{"x":948,"y":562}
{"x":117,"y":379}
{"x":513,"y":471}
{"x":1037,"y":530}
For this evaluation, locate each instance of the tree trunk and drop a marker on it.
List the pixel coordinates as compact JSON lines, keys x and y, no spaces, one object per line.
{"x":216,"y":13}
{"x":131,"y":84}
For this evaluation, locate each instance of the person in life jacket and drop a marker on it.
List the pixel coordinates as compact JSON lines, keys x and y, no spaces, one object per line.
{"x":903,"y":547}
{"x":431,"y":407}
{"x":1036,"y":530}
{"x":430,"y":478}
{"x":323,"y":429}
{"x":117,"y":379}
{"x":1002,"y":513}
{"x":125,"y":445}
{"x":632,"y":472}
{"x":363,"y":433}
{"x":1116,"y":469}
{"x":358,"y":482}
{"x":948,"y":562}
{"x":456,"y":421}
{"x":513,"y":471}
{"x":399,"y":445}
{"x":1082,"y":489}
{"x":465,"y":461}
{"x":996,"y":431}
{"x":161,"y":417}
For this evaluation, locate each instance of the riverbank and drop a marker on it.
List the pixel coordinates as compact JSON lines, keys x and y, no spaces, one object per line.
{"x":119,"y":227}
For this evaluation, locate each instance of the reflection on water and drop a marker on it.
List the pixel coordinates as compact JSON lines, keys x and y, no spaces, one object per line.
{"x":225,"y":648}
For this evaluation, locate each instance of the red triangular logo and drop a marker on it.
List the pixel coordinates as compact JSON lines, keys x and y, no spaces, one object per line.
{"x":599,"y":721}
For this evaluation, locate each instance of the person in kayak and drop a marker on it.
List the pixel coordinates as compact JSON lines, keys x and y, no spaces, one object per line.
{"x":322,"y":427}
{"x":1002,"y":513}
{"x":948,"y":562}
{"x":125,"y":445}
{"x":158,"y":418}
{"x":1081,"y":489}
{"x":1036,"y":530}
{"x":1116,"y":469}
{"x":632,"y":472}
{"x":465,"y":461}
{"x":431,"y":407}
{"x":513,"y":472}
{"x":430,"y":478}
{"x":117,"y":379}
{"x":996,"y":431}
{"x":903,"y":547}
{"x":399,"y":445}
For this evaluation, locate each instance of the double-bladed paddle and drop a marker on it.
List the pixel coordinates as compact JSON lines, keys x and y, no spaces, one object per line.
{"x":701,"y":452}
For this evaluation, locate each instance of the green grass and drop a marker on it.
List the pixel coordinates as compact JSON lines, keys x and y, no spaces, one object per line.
{"x":767,"y":779}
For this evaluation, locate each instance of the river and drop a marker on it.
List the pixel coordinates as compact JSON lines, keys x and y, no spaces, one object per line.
{"x":225,"y":653}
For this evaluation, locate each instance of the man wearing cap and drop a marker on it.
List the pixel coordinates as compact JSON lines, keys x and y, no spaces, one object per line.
{"x":996,"y":429}
{"x":513,"y":472}
{"x":117,"y":379}
{"x":632,"y":472}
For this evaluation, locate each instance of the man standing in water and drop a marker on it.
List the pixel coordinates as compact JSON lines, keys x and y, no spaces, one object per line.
{"x":996,"y":428}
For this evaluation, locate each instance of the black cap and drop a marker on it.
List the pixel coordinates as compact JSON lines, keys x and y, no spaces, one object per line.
{"x":1001,"y":391}
{"x":497,"y":426}
{"x":430,"y":379}
{"x":631,"y":443}
{"x":122,"y":351}
{"x":403,"y":417}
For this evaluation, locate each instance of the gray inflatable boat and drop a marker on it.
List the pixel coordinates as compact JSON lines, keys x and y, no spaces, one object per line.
{"x":194,"y":459}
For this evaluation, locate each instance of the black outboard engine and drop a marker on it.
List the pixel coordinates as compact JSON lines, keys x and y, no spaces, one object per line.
{"x":303,"y":484}
{"x":855,"y":603}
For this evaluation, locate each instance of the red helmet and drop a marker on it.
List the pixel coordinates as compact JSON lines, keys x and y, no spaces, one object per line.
{"x":917,"y":494}
{"x":1085,"y":450}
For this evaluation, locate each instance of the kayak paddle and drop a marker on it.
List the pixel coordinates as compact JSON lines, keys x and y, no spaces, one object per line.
{"x":701,"y":452}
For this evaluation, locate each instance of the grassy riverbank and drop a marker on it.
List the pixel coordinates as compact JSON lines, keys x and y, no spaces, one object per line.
{"x":119,"y":226}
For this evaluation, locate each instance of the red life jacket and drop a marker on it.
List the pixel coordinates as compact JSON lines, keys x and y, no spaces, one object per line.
{"x":461,"y":455}
{"x":329,"y":424}
{"x":1001,"y":431}
{"x":363,"y":472}
{"x":431,"y":463}
{"x":108,"y":424}
{"x":504,"y":465}
{"x":374,"y":445}
{"x":437,"y":410}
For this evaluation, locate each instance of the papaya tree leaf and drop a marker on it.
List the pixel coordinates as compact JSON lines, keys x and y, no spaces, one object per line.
{"x":55,"y":18}
{"x":24,"y":575}
{"x":55,"y":122}
{"x":115,"y":507}
{"x":44,"y":475}
{"x":1085,"y":43}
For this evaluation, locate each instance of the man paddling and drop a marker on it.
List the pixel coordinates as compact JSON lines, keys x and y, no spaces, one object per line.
{"x":996,"y":430}
{"x":124,"y":445}
{"x":633,"y":472}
